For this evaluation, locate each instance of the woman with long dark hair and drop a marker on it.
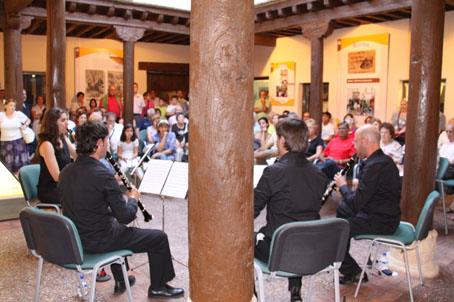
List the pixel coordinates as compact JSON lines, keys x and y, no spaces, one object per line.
{"x":54,"y":153}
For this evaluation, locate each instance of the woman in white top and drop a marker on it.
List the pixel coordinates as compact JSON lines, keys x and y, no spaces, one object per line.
{"x":13,"y":150}
{"x":128,"y":149}
{"x":266,"y":142}
{"x":37,"y":113}
{"x":389,"y":146}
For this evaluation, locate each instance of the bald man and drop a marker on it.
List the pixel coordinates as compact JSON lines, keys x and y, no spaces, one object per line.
{"x":374,"y":207}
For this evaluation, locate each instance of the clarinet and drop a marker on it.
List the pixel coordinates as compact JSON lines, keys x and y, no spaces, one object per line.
{"x":332,"y":185}
{"x":146,"y":216}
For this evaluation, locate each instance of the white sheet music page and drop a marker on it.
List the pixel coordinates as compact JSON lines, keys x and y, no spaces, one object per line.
{"x":155,"y":176}
{"x":177,"y":181}
{"x":258,"y":171}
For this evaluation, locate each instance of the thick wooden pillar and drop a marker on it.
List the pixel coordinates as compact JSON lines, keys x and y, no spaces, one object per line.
{"x":129,"y":35}
{"x":56,"y":54}
{"x":12,"y":46}
{"x":220,"y":170}
{"x":316,"y":32}
{"x":423,"y":105}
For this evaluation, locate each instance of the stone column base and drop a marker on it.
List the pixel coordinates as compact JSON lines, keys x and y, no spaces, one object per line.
{"x":252,"y":300}
{"x":429,"y":267}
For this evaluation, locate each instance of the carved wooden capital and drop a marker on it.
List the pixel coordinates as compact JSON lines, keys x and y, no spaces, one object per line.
{"x":129,"y":34}
{"x":25,"y":22}
{"x":317,"y":30}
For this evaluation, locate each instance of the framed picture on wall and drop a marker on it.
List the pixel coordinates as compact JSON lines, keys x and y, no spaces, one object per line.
{"x":405,"y":84}
{"x":260,"y":84}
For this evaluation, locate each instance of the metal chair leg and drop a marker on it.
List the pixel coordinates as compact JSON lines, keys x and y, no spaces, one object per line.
{"x":418,"y":259}
{"x":336,"y":283}
{"x":125,"y":276}
{"x":444,"y":206}
{"x":407,"y":269}
{"x":38,"y":278}
{"x":259,"y":277}
{"x":364,"y":269}
{"x":309,"y":288}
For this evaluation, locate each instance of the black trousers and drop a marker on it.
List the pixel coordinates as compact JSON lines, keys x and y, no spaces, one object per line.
{"x":358,"y":226}
{"x":152,"y":242}
{"x":262,"y":252}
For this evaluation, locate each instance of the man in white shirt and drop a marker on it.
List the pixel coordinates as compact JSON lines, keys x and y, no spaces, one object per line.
{"x":327,"y":127}
{"x":447,"y":150}
{"x":139,"y":104}
{"x":115,"y":130}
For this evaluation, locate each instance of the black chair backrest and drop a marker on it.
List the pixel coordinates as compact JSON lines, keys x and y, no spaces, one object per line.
{"x":52,"y":236}
{"x":307,"y":247}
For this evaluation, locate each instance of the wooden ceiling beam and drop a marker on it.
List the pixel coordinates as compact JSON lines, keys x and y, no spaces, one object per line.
{"x":100,"y":33}
{"x":102,"y":20}
{"x":264,"y":40}
{"x":110,"y":11}
{"x":85,"y":30}
{"x":15,"y":6}
{"x":340,"y":12}
{"x":144,"y":15}
{"x":71,"y":6}
{"x":160,"y":19}
{"x":347,"y":23}
{"x":175,"y":20}
{"x":274,"y":6}
{"x":91,"y":9}
{"x":71,"y":28}
{"x":376,"y":18}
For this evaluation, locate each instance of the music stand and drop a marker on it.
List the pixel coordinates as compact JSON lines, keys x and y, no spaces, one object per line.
{"x":149,"y":148}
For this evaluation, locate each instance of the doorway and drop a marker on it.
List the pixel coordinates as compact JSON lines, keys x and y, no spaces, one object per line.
{"x":34,"y":85}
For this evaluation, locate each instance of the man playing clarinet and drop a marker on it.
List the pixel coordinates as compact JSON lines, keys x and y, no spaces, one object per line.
{"x":291,"y":189}
{"x":92,"y":199}
{"x":374,"y":208}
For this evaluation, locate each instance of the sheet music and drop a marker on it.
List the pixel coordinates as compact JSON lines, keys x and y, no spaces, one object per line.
{"x":177,"y":181}
{"x":155,"y":176}
{"x":258,"y":171}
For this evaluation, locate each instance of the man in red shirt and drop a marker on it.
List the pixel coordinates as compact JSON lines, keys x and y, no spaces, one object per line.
{"x":111,"y":102}
{"x":338,"y":151}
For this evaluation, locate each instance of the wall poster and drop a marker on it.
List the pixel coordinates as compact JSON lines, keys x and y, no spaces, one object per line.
{"x":363,"y":75}
{"x":96,"y":69}
{"x":282,"y":84}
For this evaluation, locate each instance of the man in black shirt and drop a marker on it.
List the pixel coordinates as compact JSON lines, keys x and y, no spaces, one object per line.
{"x":374,"y":208}
{"x":92,"y":199}
{"x":291,"y":189}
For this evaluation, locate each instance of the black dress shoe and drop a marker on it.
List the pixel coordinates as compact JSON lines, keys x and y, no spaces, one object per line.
{"x":352,"y":278}
{"x":120,"y":286}
{"x":167,"y":291}
{"x":295,"y":294}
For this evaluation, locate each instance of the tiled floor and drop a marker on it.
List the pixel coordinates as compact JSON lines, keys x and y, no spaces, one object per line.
{"x":18,"y":268}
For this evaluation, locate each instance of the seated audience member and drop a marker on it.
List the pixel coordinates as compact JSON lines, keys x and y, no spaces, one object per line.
{"x":447,"y":151}
{"x":443,"y":137}
{"x":96,"y":116}
{"x":388,"y":145}
{"x":285,"y":113}
{"x":54,"y":153}
{"x":274,"y":119}
{"x":102,"y":214}
{"x":183,"y":102}
{"x":153,"y":128}
{"x":165,"y":142}
{"x":368,"y":120}
{"x":115,"y":131}
{"x":306,"y":116}
{"x":172,"y":106}
{"x":374,"y":208}
{"x":149,"y":104}
{"x":162,"y":108}
{"x":146,"y":122}
{"x":128,"y":150}
{"x":291,"y":190}
{"x":350,"y":120}
{"x":338,"y":152}
{"x":80,"y":103}
{"x":81,"y":118}
{"x":92,"y":105}
{"x":181,"y":131}
{"x":376,"y":122}
{"x":315,"y":148}
{"x":173,"y":118}
{"x":266,"y":142}
{"x":327,"y":127}
{"x":399,"y":121}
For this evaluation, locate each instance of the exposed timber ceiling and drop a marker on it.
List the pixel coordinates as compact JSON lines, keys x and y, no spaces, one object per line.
{"x":96,"y":18}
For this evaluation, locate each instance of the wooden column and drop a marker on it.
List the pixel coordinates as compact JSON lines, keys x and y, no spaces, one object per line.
{"x":12,"y":46}
{"x":423,"y":105}
{"x":220,"y":170}
{"x":129,"y":35}
{"x":316,"y":32}
{"x":56,"y":54}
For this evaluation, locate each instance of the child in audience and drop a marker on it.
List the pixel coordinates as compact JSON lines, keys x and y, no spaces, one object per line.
{"x":165,"y":142}
{"x":128,"y":150}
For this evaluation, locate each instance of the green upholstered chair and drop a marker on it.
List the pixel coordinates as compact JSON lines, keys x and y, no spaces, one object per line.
{"x":305,"y":248}
{"x":28,"y":179}
{"x":403,"y":238}
{"x":443,"y":164}
{"x":54,"y":238}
